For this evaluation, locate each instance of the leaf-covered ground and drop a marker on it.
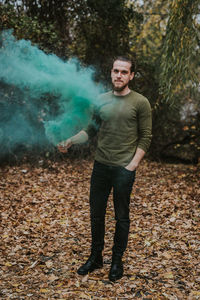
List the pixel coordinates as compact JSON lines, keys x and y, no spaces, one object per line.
{"x":45,"y":234}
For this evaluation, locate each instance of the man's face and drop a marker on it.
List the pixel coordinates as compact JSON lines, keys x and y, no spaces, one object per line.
{"x":121,"y":75}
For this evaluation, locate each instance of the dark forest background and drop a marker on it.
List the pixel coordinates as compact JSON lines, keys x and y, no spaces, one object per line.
{"x":163,"y":38}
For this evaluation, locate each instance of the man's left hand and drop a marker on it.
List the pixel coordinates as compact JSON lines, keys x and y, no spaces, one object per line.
{"x":131,"y":167}
{"x":134,"y":163}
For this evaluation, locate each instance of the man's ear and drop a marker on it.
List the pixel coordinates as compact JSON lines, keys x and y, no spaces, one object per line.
{"x":132,"y":75}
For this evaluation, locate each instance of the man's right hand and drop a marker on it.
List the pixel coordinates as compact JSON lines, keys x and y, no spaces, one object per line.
{"x":65,"y":145}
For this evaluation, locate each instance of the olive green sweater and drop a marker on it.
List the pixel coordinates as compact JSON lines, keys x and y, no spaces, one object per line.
{"x":125,"y":124}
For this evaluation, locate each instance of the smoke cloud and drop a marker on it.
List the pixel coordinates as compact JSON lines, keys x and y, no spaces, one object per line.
{"x":41,"y":95}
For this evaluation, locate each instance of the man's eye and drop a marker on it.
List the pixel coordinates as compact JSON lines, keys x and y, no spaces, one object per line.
{"x":122,"y":72}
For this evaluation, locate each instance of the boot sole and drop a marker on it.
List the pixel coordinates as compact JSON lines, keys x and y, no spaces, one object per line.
{"x":89,"y":271}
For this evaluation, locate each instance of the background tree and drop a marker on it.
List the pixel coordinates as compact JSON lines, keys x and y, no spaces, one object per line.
{"x":166,"y":74}
{"x":179,"y":70}
{"x":104,"y":32}
{"x":180,"y":49}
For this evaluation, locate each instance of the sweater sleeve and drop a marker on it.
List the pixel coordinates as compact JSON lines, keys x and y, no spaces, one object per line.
{"x":144,"y":125}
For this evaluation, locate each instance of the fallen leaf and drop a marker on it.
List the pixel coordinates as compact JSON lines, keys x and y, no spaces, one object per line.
{"x":168,"y":275}
{"x":52,"y":277}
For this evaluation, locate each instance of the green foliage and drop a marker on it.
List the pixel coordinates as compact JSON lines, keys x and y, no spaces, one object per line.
{"x":29,"y":28}
{"x":167,"y":74}
{"x":179,"y":49}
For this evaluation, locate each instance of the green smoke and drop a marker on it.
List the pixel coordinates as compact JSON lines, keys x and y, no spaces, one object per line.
{"x":37,"y":88}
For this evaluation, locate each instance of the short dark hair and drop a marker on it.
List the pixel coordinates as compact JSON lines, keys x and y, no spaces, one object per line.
{"x":127,"y":59}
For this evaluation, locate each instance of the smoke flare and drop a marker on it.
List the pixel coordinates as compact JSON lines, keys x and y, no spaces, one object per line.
{"x":39,"y":91}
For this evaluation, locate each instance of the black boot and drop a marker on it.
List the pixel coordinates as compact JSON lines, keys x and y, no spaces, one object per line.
{"x":95,"y":261}
{"x":116,"y":270}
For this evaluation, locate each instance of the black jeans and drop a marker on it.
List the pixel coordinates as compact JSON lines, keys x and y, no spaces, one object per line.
{"x":103,"y":179}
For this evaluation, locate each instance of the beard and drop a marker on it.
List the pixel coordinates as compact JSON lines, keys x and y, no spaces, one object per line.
{"x":119,"y":88}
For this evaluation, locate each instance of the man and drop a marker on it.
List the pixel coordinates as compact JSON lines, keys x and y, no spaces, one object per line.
{"x":123,"y":139}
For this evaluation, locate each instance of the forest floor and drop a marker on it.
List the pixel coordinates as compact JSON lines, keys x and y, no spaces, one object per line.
{"x":45,"y":233}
